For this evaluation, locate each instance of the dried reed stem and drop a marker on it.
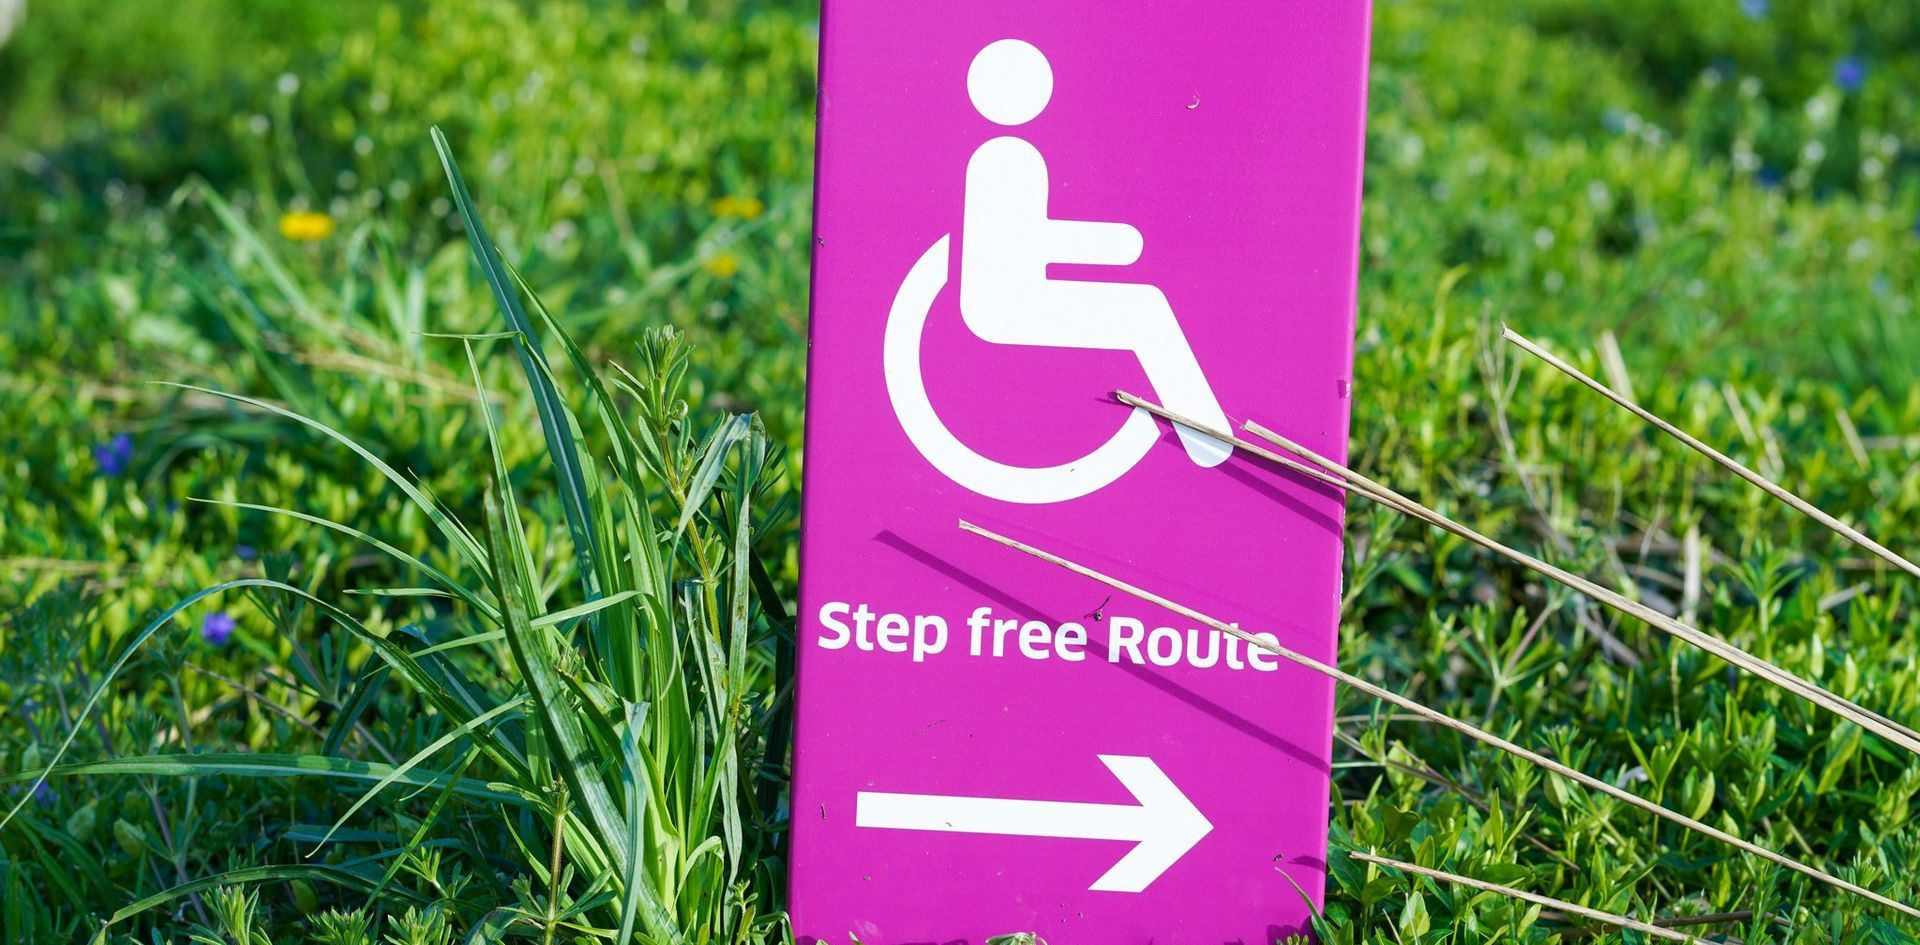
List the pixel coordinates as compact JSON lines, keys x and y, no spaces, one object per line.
{"x":1564,"y":906}
{"x":1765,"y":485}
{"x":1440,"y":718}
{"x":1336,"y":474}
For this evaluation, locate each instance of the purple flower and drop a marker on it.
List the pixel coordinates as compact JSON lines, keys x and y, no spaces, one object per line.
{"x":113,"y":456}
{"x":1850,"y":73}
{"x":42,"y":793}
{"x":1755,"y":9}
{"x":246,"y":552}
{"x":217,"y":628}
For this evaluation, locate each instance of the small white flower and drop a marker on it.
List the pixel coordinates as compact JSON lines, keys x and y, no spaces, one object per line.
{"x":259,"y":125}
{"x":1543,"y":238}
{"x":1411,"y":149}
{"x":288,"y":84}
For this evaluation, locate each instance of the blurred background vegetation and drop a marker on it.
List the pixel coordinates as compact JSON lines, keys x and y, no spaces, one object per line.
{"x":1714,"y":202}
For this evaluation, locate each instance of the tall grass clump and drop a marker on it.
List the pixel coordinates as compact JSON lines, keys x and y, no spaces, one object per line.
{"x":594,"y":704}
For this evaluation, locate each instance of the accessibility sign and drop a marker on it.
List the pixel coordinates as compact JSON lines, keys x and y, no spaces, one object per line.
{"x":1021,"y":208}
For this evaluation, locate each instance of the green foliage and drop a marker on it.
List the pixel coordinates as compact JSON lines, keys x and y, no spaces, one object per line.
{"x":507,"y":568}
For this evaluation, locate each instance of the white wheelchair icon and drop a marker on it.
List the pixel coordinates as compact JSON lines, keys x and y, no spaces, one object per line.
{"x":1006,"y":297}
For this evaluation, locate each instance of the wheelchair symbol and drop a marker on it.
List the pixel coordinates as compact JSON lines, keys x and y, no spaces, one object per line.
{"x":1006,"y":297}
{"x":907,"y":388}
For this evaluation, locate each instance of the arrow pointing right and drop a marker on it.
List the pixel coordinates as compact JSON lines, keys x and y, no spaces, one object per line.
{"x":1164,"y":822}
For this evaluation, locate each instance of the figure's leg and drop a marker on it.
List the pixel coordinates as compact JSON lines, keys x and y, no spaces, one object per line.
{"x":1176,"y":376}
{"x":1138,"y":318}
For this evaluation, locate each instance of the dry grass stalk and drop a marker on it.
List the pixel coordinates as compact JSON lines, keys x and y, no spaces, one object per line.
{"x":1441,"y":718}
{"x":1429,"y":774}
{"x":1560,"y":904}
{"x":1674,"y":922}
{"x":1333,"y":473}
{"x":1763,"y":483}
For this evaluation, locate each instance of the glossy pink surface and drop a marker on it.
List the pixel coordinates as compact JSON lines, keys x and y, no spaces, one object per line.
{"x":1229,"y":134}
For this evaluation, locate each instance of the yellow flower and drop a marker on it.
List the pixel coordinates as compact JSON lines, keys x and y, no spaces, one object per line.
{"x":306,"y":226}
{"x":746,"y":208}
{"x":722,"y":264}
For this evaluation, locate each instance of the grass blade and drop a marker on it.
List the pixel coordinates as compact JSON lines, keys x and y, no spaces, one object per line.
{"x":462,"y":541}
{"x":554,"y":422}
{"x":257,"y":874}
{"x":432,"y":748}
{"x":562,"y":726}
{"x":246,"y":764}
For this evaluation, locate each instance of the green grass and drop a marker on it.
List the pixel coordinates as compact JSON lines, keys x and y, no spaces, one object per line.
{"x":506,"y":537}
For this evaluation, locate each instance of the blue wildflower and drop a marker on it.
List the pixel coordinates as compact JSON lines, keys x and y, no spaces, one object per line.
{"x":217,"y":628}
{"x":1755,"y":9}
{"x":42,"y":794}
{"x":1850,"y":73}
{"x":113,"y":456}
{"x":1768,"y":177}
{"x":246,"y":552}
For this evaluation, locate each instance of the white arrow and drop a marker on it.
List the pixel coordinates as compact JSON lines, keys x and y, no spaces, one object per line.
{"x":1165,"y":824}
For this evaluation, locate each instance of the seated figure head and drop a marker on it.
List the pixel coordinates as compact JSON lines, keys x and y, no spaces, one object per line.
{"x":1010,"y":82}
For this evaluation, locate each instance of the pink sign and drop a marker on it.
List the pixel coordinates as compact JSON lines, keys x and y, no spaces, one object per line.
{"x":1023,"y":206}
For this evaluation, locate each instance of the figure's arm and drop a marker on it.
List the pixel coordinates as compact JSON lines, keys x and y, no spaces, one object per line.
{"x":1091,"y":243}
{"x":1007,"y":189}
